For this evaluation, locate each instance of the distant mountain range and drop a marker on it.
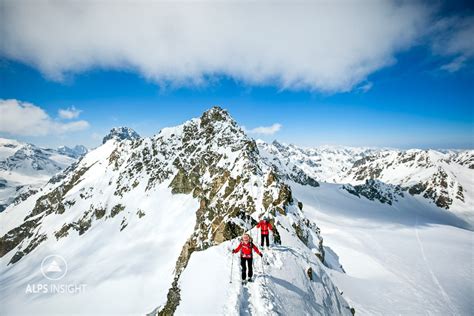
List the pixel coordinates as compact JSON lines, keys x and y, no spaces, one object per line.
{"x":159,"y":215}
{"x":25,"y":168}
{"x":444,"y":177}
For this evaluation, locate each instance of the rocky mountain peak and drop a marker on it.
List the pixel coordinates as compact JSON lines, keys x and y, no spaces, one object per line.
{"x":214,"y":114}
{"x":74,"y":152}
{"x":278,"y":145}
{"x":121,"y":133}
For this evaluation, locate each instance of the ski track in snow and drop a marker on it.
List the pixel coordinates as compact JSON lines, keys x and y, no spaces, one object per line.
{"x":245,"y":309}
{"x":251,"y":292}
{"x":392,"y":258}
{"x":445,"y":295}
{"x":418,"y":264}
{"x":255,"y":298}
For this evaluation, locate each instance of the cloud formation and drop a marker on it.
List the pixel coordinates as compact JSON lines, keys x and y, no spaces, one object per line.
{"x":453,"y":37}
{"x":26,"y":119}
{"x":69,"y":113}
{"x":265,"y":130}
{"x":365,"y":87}
{"x":328,"y":46}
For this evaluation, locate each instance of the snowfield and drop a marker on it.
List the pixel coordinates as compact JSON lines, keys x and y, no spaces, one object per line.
{"x":414,"y":260}
{"x":127,"y":274}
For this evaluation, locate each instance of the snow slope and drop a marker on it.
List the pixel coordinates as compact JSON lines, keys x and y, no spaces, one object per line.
{"x":135,"y":219}
{"x":442,"y":177}
{"x":127,"y":274}
{"x":410,"y":258}
{"x":24,"y":168}
{"x":281,"y":285}
{"x":147,"y":225}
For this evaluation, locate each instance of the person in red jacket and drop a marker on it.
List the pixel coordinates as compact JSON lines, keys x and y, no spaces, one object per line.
{"x":246,"y":248}
{"x":264,"y":226}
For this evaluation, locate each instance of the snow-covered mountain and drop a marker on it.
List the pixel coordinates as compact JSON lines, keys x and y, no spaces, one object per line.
{"x":401,"y":251}
{"x":121,"y":133}
{"x":147,"y":225}
{"x":75,"y":152}
{"x":24,"y":168}
{"x":325,"y":163}
{"x":444,"y":178}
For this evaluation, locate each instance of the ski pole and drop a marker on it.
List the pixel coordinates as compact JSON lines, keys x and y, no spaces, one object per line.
{"x":263,"y":272}
{"x":231,"y":266}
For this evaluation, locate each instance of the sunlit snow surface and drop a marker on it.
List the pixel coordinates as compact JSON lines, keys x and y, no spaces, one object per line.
{"x":412,"y":259}
{"x":407,"y":258}
{"x":281,"y":285}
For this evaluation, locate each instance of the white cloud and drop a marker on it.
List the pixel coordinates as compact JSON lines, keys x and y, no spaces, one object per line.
{"x":69,"y":113}
{"x":366,"y":87}
{"x":265,"y":130}
{"x":26,"y":119}
{"x":315,"y":45}
{"x":455,"y":64}
{"x":453,"y":37}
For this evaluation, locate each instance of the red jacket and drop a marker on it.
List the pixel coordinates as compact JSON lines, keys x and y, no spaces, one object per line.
{"x":246,"y":249}
{"x":264,"y":226}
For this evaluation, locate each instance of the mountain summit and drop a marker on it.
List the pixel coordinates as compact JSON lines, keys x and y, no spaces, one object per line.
{"x":153,"y":212}
{"x":121,"y":133}
{"x":160,"y":215}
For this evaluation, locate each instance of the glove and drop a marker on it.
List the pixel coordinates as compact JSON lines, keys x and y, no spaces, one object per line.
{"x":261,"y":255}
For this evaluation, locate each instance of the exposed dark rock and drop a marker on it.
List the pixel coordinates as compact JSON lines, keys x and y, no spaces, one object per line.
{"x":99,"y":213}
{"x":300,"y":205}
{"x":116,"y":209}
{"x":375,"y":190}
{"x":121,"y":133}
{"x":52,"y":201}
{"x":140,"y":213}
{"x":16,"y":235}
{"x":38,"y":239}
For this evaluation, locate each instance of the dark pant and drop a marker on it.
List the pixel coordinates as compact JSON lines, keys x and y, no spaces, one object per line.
{"x":246,"y":262}
{"x":263,"y":238}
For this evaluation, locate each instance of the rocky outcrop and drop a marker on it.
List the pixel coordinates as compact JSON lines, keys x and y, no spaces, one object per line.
{"x":419,"y":172}
{"x":226,"y":202}
{"x":209,"y":158}
{"x":375,"y":190}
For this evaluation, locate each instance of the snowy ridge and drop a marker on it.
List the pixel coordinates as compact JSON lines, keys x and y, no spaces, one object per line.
{"x":325,"y":163}
{"x":436,"y":176}
{"x":281,"y":284}
{"x":144,"y":209}
{"x":121,"y":133}
{"x":444,"y":178}
{"x":24,"y":168}
{"x":74,"y":152}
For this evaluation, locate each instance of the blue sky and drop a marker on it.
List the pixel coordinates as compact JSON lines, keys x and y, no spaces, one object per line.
{"x":411,"y":98}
